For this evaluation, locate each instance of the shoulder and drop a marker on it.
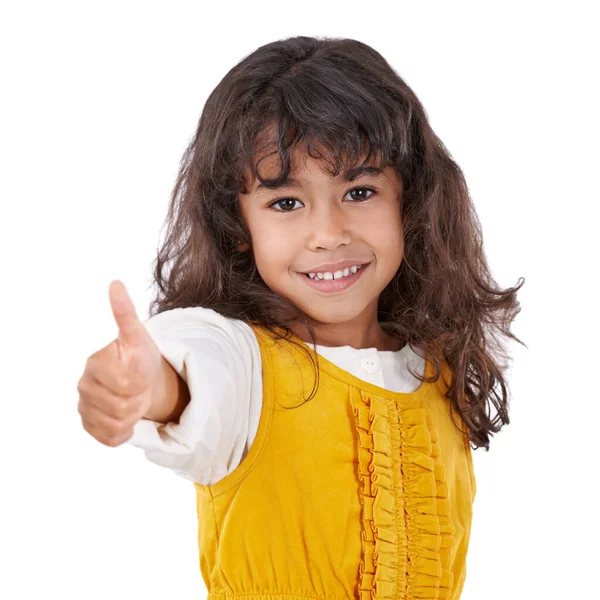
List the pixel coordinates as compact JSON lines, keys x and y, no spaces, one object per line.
{"x":205,"y":320}
{"x":196,"y":324}
{"x":191,"y":317}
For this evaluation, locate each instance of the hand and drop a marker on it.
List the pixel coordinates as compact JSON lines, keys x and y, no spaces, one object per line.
{"x":121,"y":380}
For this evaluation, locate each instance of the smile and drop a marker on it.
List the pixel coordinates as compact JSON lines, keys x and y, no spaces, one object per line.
{"x":334,"y":285}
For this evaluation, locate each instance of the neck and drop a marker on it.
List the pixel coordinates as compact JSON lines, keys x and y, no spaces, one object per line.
{"x":340,"y":334}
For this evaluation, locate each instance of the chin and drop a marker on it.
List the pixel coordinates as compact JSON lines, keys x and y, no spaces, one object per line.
{"x":334,"y":317}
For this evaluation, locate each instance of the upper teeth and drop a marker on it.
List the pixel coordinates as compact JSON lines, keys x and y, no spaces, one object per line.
{"x":336,"y":275}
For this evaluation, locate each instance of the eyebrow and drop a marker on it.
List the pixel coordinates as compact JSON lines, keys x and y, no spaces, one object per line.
{"x":349,"y":175}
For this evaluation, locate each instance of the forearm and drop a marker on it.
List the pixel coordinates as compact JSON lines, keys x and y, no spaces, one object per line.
{"x":171,"y":398}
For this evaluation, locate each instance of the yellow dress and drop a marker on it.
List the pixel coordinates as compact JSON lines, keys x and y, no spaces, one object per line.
{"x":358,"y":493}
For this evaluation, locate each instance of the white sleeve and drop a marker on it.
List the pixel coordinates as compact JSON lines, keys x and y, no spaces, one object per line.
{"x":219,"y":359}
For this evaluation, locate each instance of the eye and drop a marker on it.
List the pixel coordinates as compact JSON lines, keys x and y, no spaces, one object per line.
{"x":287,"y":204}
{"x":362,"y":189}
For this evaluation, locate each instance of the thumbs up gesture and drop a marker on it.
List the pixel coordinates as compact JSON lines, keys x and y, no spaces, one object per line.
{"x":120,"y":381}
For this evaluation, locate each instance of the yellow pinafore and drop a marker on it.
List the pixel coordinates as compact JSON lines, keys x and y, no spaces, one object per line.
{"x":359,"y":493}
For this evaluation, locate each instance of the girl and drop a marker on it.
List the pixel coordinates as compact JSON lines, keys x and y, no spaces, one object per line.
{"x":318,"y":356}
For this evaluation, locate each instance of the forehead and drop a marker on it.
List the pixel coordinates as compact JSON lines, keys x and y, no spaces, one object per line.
{"x":303,"y":164}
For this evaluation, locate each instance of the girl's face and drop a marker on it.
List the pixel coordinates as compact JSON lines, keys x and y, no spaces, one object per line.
{"x":317,"y":219}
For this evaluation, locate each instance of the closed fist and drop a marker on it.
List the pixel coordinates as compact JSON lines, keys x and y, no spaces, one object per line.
{"x":120,"y":381}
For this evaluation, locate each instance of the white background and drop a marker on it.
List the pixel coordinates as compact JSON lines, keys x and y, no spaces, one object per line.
{"x":98,"y":102}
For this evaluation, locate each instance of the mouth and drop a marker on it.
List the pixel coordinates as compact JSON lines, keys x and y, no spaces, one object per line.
{"x":335,"y":285}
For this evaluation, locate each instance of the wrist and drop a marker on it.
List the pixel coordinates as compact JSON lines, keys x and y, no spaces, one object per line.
{"x":170,"y":397}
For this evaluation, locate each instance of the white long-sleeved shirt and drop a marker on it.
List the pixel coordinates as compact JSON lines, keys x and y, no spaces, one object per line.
{"x":219,"y":359}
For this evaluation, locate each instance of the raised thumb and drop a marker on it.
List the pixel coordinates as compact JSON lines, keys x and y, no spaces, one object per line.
{"x":131,"y":330}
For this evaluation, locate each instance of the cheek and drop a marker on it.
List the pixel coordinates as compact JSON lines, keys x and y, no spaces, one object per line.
{"x":397,"y":244}
{"x":273,"y":255}
{"x":396,"y":235}
{"x":384,"y":230}
{"x":270,"y":246}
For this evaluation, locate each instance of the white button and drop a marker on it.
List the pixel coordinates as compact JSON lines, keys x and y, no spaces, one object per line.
{"x":369,"y":363}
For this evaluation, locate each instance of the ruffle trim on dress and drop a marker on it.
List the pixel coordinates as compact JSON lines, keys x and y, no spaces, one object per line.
{"x":407,"y":532}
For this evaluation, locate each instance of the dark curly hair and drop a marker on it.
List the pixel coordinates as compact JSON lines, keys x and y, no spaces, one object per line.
{"x":342,"y":100}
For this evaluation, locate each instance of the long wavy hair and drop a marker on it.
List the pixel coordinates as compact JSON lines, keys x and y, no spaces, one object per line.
{"x":341,"y":100}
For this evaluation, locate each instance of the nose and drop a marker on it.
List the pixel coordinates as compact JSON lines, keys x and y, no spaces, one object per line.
{"x":329,"y":227}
